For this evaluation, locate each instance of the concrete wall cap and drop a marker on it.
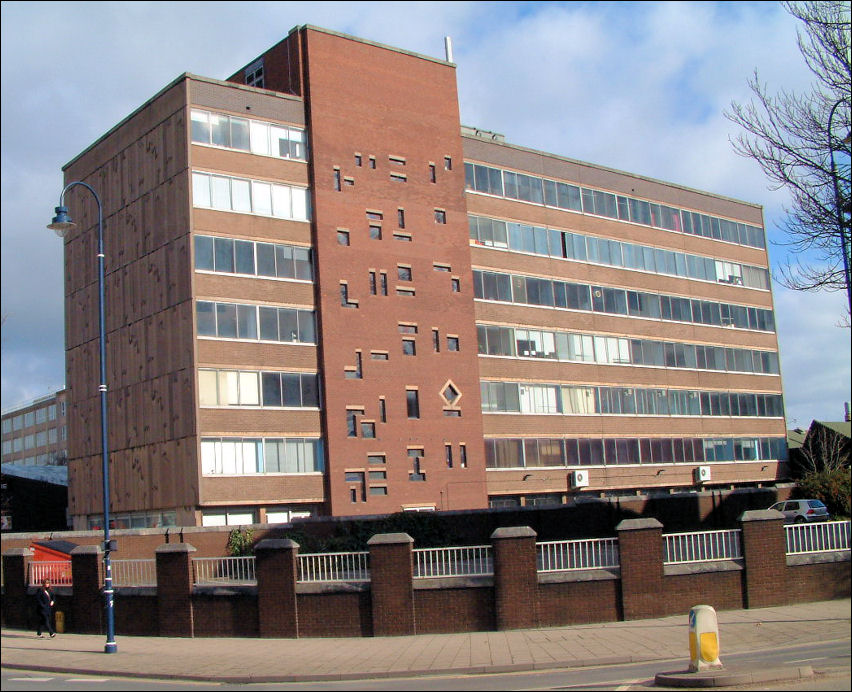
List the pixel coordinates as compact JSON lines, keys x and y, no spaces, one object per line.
{"x":174,"y":548}
{"x":15,"y":552}
{"x":390,"y":538}
{"x":276,"y":544}
{"x":637,"y":524}
{"x":760,"y":515}
{"x":87,"y":550}
{"x":513,"y":532}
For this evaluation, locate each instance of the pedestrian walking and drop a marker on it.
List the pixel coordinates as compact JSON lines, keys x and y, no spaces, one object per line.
{"x":44,"y":608}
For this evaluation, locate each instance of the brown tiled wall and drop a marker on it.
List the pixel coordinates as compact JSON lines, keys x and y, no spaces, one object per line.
{"x":578,"y":602}
{"x":454,"y":610}
{"x":335,"y":614}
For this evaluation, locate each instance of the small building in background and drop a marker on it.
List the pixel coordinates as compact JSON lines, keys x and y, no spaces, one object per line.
{"x":34,"y":498}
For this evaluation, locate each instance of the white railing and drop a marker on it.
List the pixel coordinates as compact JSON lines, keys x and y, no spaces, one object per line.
{"x":592,"y":553}
{"x":57,"y":572}
{"x":134,"y":572}
{"x":817,"y":538}
{"x":463,"y":561}
{"x":702,"y":546}
{"x":224,"y":570}
{"x":332,"y":567}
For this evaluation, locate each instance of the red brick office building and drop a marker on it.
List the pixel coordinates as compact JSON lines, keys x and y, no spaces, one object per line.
{"x":325,"y":296}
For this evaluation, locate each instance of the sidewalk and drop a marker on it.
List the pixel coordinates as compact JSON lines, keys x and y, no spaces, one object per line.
{"x":289,"y":660}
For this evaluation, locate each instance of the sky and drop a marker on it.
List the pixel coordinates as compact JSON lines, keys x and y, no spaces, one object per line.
{"x":640,"y":87}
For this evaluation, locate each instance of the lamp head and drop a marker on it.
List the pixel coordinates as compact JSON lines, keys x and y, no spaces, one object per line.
{"x":62,"y":223}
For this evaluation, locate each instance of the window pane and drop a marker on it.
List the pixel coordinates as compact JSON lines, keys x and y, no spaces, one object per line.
{"x":240,"y":134}
{"x":262,"y":198}
{"x":207,"y":388}
{"x":244,"y":256}
{"x":240,"y":195}
{"x":203,"y":252}
{"x":205,"y":318}
{"x":269,"y":324}
{"x":220,"y":192}
{"x":200,"y":127}
{"x":247,"y":321}
{"x":200,"y":190}
{"x":259,"y":138}
{"x":249,"y":394}
{"x":226,"y":319}
{"x":271,"y":382}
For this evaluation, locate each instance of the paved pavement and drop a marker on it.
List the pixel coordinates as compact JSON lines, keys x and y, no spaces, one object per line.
{"x":288,"y":660}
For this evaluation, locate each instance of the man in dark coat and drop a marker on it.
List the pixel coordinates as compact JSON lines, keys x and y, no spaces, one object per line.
{"x":44,"y":607}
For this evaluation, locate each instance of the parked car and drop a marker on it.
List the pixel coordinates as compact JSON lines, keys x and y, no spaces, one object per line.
{"x":800,"y":511}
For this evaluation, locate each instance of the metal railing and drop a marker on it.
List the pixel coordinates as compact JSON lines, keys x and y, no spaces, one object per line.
{"x":702,"y":546}
{"x":58,"y":572}
{"x":334,"y":567}
{"x":463,"y":561}
{"x":591,"y":553}
{"x":134,"y":572}
{"x":820,"y":537}
{"x":214,"y":571}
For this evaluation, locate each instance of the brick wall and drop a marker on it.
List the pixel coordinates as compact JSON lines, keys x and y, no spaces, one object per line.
{"x":396,"y":604}
{"x":462,"y":609}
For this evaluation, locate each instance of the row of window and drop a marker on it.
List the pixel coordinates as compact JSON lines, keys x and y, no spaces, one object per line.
{"x":253,"y":388}
{"x":35,"y":417}
{"x":251,"y":258}
{"x":40,"y":439}
{"x":242,"y":134}
{"x":244,"y":455}
{"x":59,"y":458}
{"x":554,"y":243}
{"x":255,"y":322}
{"x":258,"y":197}
{"x":133,"y":520}
{"x":570,"y":400}
{"x":566,"y":452}
{"x":530,"y":290}
{"x":502,"y":183}
{"x":586,"y":348}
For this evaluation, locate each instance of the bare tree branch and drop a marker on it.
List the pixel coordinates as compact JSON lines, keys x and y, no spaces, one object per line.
{"x":787,"y":134}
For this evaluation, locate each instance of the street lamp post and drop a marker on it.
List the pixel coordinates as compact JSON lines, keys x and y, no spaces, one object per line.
{"x":838,"y":205}
{"x":62,"y":224}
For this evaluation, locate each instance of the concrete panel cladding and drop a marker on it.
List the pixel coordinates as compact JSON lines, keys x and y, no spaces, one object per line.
{"x":398,"y":348}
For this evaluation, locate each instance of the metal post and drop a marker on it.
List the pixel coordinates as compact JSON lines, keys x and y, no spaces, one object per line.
{"x":110,"y":646}
{"x":837,"y":205}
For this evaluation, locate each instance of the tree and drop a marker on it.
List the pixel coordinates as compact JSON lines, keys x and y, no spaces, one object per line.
{"x":790,"y":138}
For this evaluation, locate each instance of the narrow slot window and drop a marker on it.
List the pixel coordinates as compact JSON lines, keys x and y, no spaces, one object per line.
{"x":337,"y":179}
{"x":432,"y":176}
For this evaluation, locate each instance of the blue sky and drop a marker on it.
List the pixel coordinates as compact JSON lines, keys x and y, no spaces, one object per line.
{"x":640,"y":87}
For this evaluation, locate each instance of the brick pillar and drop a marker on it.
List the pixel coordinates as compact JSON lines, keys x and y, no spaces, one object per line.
{"x":174,"y":590}
{"x":87,"y":602}
{"x":277,"y":570}
{"x":640,"y":548}
{"x":515,"y":578}
{"x":392,"y":586}
{"x":765,"y":556}
{"x":18,"y":605}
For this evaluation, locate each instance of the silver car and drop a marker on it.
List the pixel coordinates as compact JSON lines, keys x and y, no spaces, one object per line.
{"x":800,"y":511}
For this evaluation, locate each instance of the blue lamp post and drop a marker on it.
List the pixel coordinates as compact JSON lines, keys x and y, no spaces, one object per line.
{"x":61,"y":224}
{"x":838,"y":204}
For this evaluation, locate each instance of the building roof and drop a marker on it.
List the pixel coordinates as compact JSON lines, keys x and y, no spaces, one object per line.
{"x":842,"y":427}
{"x":55,"y":475}
{"x":796,"y":438}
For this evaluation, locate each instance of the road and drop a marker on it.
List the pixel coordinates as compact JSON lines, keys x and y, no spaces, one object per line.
{"x":831,"y":662}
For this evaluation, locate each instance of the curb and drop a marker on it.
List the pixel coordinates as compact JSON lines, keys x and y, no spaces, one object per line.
{"x":731,"y":678}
